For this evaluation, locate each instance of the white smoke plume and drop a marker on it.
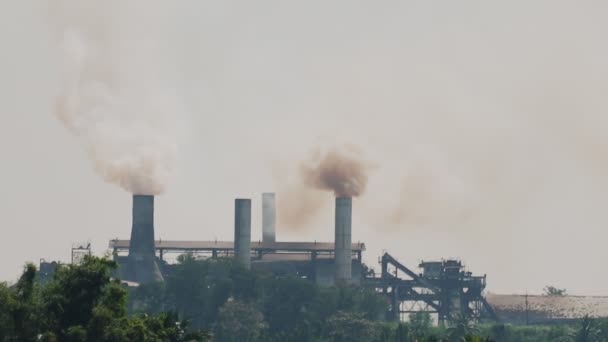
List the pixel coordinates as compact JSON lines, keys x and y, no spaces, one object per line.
{"x":114,"y":98}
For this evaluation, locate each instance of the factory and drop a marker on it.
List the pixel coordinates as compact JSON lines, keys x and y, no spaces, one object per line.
{"x":142,"y":259}
{"x":442,"y":288}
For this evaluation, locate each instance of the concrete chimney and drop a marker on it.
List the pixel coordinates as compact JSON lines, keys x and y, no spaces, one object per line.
{"x":242,"y":232}
{"x":141,"y":262}
{"x":269,"y":217}
{"x":343,"y":246}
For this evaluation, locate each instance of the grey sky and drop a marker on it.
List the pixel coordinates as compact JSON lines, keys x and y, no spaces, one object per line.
{"x":486,"y":123}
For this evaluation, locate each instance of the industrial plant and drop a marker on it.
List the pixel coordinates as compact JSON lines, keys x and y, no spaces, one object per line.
{"x":442,"y":288}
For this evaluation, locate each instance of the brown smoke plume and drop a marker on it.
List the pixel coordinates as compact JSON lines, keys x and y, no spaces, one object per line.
{"x":341,"y":170}
{"x":344,"y":172}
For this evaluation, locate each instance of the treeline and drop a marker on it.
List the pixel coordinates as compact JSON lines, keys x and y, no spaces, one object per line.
{"x":239,"y":305}
{"x":81,"y":303}
{"x":217,"y":300}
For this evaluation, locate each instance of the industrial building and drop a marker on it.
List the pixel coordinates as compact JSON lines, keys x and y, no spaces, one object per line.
{"x":141,"y":259}
{"x":442,"y":288}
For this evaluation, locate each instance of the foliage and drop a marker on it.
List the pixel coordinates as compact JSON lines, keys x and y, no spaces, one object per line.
{"x":461,"y":328}
{"x":239,"y":322}
{"x":80,"y":303}
{"x":554,"y":291}
{"x":293,"y":309}
{"x":420,"y":325}
{"x":351,"y":327}
{"x":83,"y":303}
{"x":532,"y":333}
{"x":198,"y":289}
{"x":587,"y":331}
{"x":402,"y":333}
{"x":150,"y":299}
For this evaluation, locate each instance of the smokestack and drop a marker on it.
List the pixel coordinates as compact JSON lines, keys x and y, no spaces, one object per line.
{"x":269,"y":217}
{"x":242,"y":232}
{"x":343,"y":247}
{"x":141,"y":262}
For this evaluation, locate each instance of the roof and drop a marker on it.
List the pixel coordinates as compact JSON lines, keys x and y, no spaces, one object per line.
{"x":229,"y":245}
{"x":512,"y":308}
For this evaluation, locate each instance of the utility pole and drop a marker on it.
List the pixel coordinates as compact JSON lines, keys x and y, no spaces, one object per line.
{"x":527,"y":319}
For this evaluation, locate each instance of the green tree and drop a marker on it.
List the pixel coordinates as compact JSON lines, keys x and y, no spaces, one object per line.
{"x":461,"y":327}
{"x":7,"y":301}
{"x":81,"y":303}
{"x":554,"y":291}
{"x":420,"y":324}
{"x":402,"y":333}
{"x":75,"y":291}
{"x":288,"y":305}
{"x":200,"y":287}
{"x":151,"y":299}
{"x":385,"y":333}
{"x":499,"y":332}
{"x":239,"y":322}
{"x":24,"y":306}
{"x":18,"y":313}
{"x":587,"y":330}
{"x":352,"y":327}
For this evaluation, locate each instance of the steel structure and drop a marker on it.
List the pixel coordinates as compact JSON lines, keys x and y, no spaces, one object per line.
{"x":226,"y":248}
{"x":79,"y":250}
{"x":444,"y":288}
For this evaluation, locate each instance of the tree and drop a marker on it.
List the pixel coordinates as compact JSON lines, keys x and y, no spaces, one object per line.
{"x":352,"y":327}
{"x":288,"y":305}
{"x":239,"y":322}
{"x":71,"y":297}
{"x":7,"y":301}
{"x":402,"y":333}
{"x":587,"y":331}
{"x":22,"y":306}
{"x":200,"y":287}
{"x":151,"y":299}
{"x":554,"y":291}
{"x":499,"y":332}
{"x":420,"y":324}
{"x":461,"y":328}
{"x":81,"y":303}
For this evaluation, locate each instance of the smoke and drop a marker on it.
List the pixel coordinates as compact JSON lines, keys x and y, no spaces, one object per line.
{"x":114,"y":97}
{"x":342,"y":171}
{"x":298,"y":205}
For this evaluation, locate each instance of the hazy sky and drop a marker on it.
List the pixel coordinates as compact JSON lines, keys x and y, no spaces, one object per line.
{"x":485,"y":122}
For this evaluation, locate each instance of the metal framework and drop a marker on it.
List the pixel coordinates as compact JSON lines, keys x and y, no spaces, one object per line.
{"x":311,"y":250}
{"x":443,"y":288}
{"x":79,"y":250}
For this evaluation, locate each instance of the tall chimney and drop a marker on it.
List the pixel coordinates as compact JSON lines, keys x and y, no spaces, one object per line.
{"x":141,"y":262}
{"x":343,"y":247}
{"x":242,"y":232}
{"x":269,"y":217}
